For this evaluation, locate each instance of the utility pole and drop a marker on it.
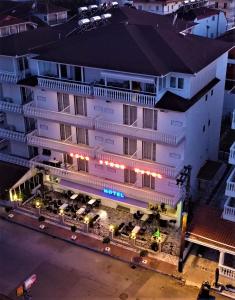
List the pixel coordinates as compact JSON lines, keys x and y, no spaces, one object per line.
{"x":183,"y":180}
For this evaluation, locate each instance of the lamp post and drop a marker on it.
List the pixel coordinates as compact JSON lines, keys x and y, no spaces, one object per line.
{"x":111,"y":230}
{"x":38,"y":206}
{"x":61,"y":213}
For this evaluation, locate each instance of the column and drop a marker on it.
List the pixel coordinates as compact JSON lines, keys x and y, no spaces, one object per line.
{"x":221,"y":258}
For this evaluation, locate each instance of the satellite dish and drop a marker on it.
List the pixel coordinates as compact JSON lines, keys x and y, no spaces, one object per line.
{"x":83,"y":22}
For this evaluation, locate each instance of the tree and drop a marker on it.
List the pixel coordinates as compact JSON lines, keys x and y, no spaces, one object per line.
{"x":143,"y":253}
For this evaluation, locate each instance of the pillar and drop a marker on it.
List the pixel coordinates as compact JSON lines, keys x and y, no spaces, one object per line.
{"x":221,"y":258}
{"x":179,"y":213}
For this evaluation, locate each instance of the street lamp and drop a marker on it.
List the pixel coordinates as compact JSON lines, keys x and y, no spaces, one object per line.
{"x":111,"y":229}
{"x":38,"y":206}
{"x":61,"y":213}
{"x":86,"y":221}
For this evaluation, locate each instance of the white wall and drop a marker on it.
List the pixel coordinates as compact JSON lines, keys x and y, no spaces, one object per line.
{"x":6,"y":64}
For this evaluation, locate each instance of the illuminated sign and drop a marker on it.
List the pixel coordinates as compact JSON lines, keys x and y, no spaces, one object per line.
{"x":114,"y":193}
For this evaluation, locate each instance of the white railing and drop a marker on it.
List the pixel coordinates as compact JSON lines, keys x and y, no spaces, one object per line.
{"x":164,"y":170}
{"x":231,"y":159}
{"x":10,"y":107}
{"x":230,"y":185}
{"x":65,"y":86}
{"x":34,"y":140}
{"x":227,"y":271}
{"x":14,"y":160}
{"x":31,"y":111}
{"x":12,"y":135}
{"x":124,"y":96}
{"x":229,"y":211}
{"x":101,"y":183}
{"x":140,"y":133}
{"x":233,"y":121}
{"x":10,"y":77}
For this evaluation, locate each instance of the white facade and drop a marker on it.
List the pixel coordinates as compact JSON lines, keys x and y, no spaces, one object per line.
{"x":112,"y":138}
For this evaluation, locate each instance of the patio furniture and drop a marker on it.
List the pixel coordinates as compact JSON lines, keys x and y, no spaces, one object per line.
{"x":74,"y":196}
{"x":81,"y":210}
{"x":63,"y":206}
{"x":135,"y":230}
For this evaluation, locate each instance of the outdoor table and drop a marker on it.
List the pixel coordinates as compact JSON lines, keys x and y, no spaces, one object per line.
{"x":91,"y":202}
{"x":135,"y":230}
{"x":144,"y":217}
{"x":74,"y":196}
{"x":81,"y":210}
{"x":54,"y":163}
{"x":62,"y":207}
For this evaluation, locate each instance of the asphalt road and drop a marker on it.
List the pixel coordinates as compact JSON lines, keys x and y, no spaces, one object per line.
{"x":68,"y":272}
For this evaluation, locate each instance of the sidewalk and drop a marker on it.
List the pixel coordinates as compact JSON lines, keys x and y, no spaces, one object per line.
{"x":94,"y":244}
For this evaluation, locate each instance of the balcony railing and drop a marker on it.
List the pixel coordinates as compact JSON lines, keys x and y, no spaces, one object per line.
{"x":14,"y":160}
{"x":101,"y":183}
{"x":61,"y":146}
{"x":10,"y":107}
{"x":230,"y":185}
{"x":229,"y":210}
{"x":31,"y":111}
{"x":164,"y":170}
{"x":125,"y":96}
{"x":227,"y":271}
{"x":10,"y":77}
{"x":231,"y":159}
{"x":12,"y":135}
{"x":139,"y":133}
{"x":64,"y":85}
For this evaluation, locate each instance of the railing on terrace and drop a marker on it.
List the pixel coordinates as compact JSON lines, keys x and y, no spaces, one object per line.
{"x":141,"y":133}
{"x":10,"y":77}
{"x":14,"y":160}
{"x":64,"y":85}
{"x":101,"y":183}
{"x":12,"y":135}
{"x":230,"y":185}
{"x":227,"y":271}
{"x":10,"y":107}
{"x":229,"y":211}
{"x":232,"y":154}
{"x":31,"y":110}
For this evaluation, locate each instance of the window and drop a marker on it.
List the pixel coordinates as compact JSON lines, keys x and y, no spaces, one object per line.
{"x":212,"y":92}
{"x":149,"y":151}
{"x":82,"y":165}
{"x":63,"y":102}
{"x":173,"y":82}
{"x":129,"y":176}
{"x":63,"y":71}
{"x":156,"y":7}
{"x":46,"y":152}
{"x":129,"y":146}
{"x":225,"y":5}
{"x":23,"y":63}
{"x":213,"y":18}
{"x":26,"y":95}
{"x":204,"y":128}
{"x":212,"y":35}
{"x":161,"y":83}
{"x":209,"y":123}
{"x":180,"y":83}
{"x":80,"y":105}
{"x":82,"y":136}
{"x":68,"y":159}
{"x":150,"y":118}
{"x":129,"y":114}
{"x":206,"y":97}
{"x":148,"y":181}
{"x":65,"y":132}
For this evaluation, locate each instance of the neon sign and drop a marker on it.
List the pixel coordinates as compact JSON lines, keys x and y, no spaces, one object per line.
{"x":114,"y":193}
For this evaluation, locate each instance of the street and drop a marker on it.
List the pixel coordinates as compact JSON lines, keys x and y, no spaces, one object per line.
{"x":68,"y":272}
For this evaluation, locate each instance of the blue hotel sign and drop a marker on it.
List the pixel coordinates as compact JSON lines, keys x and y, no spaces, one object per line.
{"x":114,"y":193}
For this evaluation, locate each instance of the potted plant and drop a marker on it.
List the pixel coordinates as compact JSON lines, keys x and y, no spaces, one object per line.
{"x":106,"y":240}
{"x":40,"y":220}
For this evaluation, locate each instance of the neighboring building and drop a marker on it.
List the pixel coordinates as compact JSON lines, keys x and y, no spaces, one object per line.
{"x":114,"y":112}
{"x":166,"y":7}
{"x":228,"y":6}
{"x":209,"y":22}
{"x":49,"y":13}
{"x":11,"y":25}
{"x":229,"y":95}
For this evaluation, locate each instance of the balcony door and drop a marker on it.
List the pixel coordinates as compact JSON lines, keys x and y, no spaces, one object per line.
{"x":63,"y":102}
{"x":65,"y":133}
{"x":129,"y":115}
{"x":63,"y":71}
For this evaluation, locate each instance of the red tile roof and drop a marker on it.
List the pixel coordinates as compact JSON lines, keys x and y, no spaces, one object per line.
{"x":208,"y":226}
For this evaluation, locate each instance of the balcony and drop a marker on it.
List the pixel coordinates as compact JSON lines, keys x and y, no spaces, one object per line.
{"x":124,"y":95}
{"x":231,"y":159}
{"x":12,"y":135}
{"x":101,"y":183}
{"x":7,"y":106}
{"x":7,"y":77}
{"x":64,"y":86}
{"x":230,"y":185}
{"x":34,"y":112}
{"x":14,"y":160}
{"x":139,"y":133}
{"x":34,"y":140}
{"x":166,"y":171}
{"x":229,"y":210}
{"x":227,"y":272}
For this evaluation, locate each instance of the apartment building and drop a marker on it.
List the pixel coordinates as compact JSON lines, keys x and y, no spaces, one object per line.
{"x":166,"y":7}
{"x":115,"y":111}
